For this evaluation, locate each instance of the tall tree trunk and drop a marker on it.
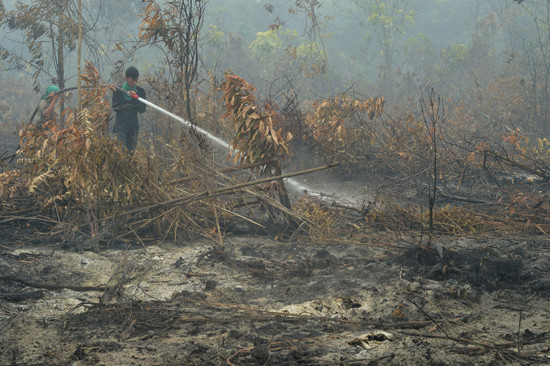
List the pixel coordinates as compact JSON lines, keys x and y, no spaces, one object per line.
{"x":387,"y":75}
{"x":60,"y":69}
{"x":60,"y":65}
{"x":79,"y":65}
{"x":189,"y":74}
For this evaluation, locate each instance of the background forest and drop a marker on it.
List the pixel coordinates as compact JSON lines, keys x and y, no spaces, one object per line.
{"x":448,"y":97}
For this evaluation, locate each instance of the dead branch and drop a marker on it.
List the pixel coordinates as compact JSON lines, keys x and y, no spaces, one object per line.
{"x":20,"y":296}
{"x":49,"y":286}
{"x":535,"y":171}
{"x":462,"y":199}
{"x":501,"y":347}
{"x":243,"y":217}
{"x":225,"y":170}
{"x":123,"y":218}
{"x":221,"y":191}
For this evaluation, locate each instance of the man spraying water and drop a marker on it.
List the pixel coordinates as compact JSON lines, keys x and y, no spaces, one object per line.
{"x":127,"y":107}
{"x":137,"y":98}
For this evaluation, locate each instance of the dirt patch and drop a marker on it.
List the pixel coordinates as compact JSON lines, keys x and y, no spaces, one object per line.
{"x":263,"y":302}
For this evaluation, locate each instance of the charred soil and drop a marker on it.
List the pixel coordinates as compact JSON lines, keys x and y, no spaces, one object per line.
{"x":260,"y":301}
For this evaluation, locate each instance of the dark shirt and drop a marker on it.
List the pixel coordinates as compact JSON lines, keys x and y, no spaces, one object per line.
{"x":126,"y":119}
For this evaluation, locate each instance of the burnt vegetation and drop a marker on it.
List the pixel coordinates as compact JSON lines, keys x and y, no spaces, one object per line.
{"x":73,"y":182}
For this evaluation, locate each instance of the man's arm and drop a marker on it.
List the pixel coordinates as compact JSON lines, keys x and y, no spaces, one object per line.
{"x":53,"y":99}
{"x":46,"y":107}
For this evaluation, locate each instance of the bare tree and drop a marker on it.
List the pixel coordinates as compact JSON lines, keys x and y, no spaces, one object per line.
{"x":386,"y":22}
{"x":50,"y":31}
{"x":536,"y":63}
{"x":177,"y":25}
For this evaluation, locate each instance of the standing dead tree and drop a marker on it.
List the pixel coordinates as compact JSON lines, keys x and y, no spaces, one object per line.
{"x":50,"y":34}
{"x":177,"y":24}
{"x":433,"y":114}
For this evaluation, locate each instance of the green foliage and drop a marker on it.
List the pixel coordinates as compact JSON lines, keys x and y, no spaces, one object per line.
{"x":215,"y":35}
{"x":418,"y":47}
{"x":455,"y":54}
{"x":269,"y":45}
{"x":388,"y":19}
{"x":386,"y":23}
{"x":390,"y":15}
{"x":310,"y":58}
{"x":283,"y":49}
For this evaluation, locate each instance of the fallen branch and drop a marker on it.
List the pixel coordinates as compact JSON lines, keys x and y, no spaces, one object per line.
{"x":48,"y":286}
{"x":462,"y":199}
{"x":225,"y":170}
{"x":502,"y":347}
{"x":123,"y":218}
{"x":20,"y":296}
{"x":532,"y":170}
{"x":475,"y":343}
{"x":220,"y":191}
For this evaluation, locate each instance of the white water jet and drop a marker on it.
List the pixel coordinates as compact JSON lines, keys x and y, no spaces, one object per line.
{"x":294,"y":184}
{"x":186,"y":123}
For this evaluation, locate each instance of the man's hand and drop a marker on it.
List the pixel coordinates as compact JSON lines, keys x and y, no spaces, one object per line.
{"x":112,"y":87}
{"x":52,"y":97}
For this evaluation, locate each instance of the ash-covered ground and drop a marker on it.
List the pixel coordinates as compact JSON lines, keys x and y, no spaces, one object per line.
{"x":258,"y":301}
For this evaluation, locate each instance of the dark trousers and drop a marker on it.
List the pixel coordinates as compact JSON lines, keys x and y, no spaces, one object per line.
{"x":129,"y":140}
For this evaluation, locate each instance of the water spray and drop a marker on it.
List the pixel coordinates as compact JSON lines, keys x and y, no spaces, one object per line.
{"x":177,"y":118}
{"x":295,"y":184}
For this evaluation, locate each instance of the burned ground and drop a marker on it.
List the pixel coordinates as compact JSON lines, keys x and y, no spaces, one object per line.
{"x":259,"y":301}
